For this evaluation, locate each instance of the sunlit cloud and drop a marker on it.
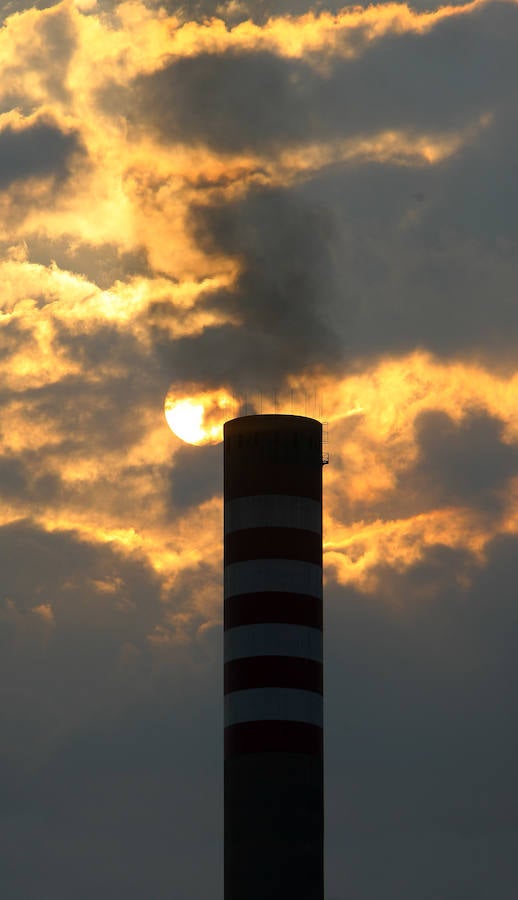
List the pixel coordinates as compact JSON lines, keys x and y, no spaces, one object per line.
{"x":373,"y":443}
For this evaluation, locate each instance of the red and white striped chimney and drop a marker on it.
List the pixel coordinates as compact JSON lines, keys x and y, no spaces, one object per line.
{"x":274,"y":824}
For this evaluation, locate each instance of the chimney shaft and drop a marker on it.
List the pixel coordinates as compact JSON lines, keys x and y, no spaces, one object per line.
{"x":274,"y":811}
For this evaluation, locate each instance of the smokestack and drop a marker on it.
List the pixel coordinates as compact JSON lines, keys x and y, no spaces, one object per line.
{"x":274,"y":807}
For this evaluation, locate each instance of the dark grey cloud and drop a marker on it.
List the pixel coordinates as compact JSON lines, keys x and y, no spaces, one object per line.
{"x":464,"y":463}
{"x":425,"y":256}
{"x":22,"y":478}
{"x":146,"y":784}
{"x":100,"y":600}
{"x":362,"y":258}
{"x":418,"y":260}
{"x":259,"y":101}
{"x":421,"y":682}
{"x":230,"y":102}
{"x":144,"y":823}
{"x":421,"y":741}
{"x":107,"y":345}
{"x":350,"y":265}
{"x":480,"y":185}
{"x":196,"y":475}
{"x":37,"y":151}
{"x":56,"y":559}
{"x":90,"y":708}
{"x":12,"y":476}
{"x":329,"y":273}
{"x":286,"y":250}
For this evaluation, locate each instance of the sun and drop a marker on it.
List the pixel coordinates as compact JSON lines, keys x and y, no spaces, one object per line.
{"x":197,"y":418}
{"x":185,"y":420}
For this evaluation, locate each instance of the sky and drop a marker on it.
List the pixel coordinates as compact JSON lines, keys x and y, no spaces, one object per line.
{"x":213,"y":203}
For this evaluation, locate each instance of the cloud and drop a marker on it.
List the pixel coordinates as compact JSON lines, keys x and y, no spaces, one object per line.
{"x":120,"y":774}
{"x":12,"y":476}
{"x":318,"y":288}
{"x":89,"y":627}
{"x":211,"y":107}
{"x":418,"y":693}
{"x":36,"y":151}
{"x":464,"y":463}
{"x":38,"y":46}
{"x":302,"y":199}
{"x":362,"y":281}
{"x":196,"y":476}
{"x":17,"y":6}
{"x":91,"y":699}
{"x":256,"y":99}
{"x":102,"y":265}
{"x":284,"y":248}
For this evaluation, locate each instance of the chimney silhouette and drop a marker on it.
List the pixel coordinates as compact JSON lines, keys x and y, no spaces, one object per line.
{"x":274,"y":806}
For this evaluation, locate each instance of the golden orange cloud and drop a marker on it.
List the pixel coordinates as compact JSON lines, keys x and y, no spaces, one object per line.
{"x":372,"y":420}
